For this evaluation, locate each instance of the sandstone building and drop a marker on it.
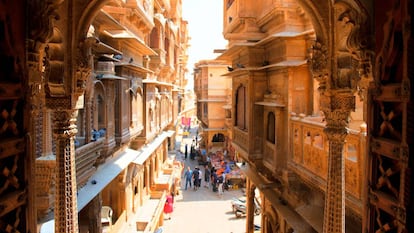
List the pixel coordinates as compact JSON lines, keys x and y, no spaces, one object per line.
{"x":213,"y":95}
{"x":90,"y":95}
{"x":321,"y":112}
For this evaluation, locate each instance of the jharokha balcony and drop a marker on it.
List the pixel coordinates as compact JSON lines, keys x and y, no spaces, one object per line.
{"x":310,"y":150}
{"x":86,"y":156}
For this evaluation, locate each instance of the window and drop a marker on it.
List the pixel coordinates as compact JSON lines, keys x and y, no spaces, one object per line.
{"x":140,"y":109}
{"x":133,"y":111}
{"x":241,"y":107}
{"x":101,"y":111}
{"x":218,"y":137}
{"x":155,"y":38}
{"x":271,"y":128}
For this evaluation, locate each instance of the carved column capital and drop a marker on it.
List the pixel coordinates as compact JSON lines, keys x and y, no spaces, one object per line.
{"x":65,"y":123}
{"x":337,"y":107}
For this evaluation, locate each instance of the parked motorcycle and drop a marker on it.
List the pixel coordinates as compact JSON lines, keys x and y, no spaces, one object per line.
{"x":239,"y":206}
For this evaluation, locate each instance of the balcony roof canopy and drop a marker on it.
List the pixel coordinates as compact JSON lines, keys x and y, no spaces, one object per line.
{"x":237,"y":46}
{"x":132,"y":39}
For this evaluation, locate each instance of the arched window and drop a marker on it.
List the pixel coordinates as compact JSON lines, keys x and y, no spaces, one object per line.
{"x":218,"y":137}
{"x":100,"y":104}
{"x":271,"y":128}
{"x":155,"y":38}
{"x":241,"y":107}
{"x":140,"y":108}
{"x":133,"y":111}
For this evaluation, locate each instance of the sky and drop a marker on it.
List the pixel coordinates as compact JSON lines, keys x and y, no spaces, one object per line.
{"x":205,"y":27}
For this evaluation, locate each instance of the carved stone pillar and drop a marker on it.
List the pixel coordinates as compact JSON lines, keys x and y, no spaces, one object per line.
{"x":341,"y":64}
{"x":47,"y":133}
{"x":152,"y":171}
{"x":250,"y":206}
{"x":94,"y":214}
{"x":147,"y":177}
{"x":35,"y":100}
{"x":337,"y":108}
{"x":64,"y":131}
{"x":165,"y":150}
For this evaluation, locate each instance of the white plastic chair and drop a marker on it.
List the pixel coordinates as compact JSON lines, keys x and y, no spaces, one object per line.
{"x":106,"y":215}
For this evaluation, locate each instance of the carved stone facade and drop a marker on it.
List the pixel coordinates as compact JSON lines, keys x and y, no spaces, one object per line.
{"x":321,"y":111}
{"x":76,"y":78}
{"x":304,"y":65}
{"x":213,"y":103}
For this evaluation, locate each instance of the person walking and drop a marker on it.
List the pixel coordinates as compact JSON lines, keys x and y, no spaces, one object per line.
{"x":220,"y":184}
{"x":168,"y":206}
{"x":207,"y":175}
{"x":196,"y":177}
{"x":214,"y":179}
{"x":200,"y":176}
{"x":186,"y":151}
{"x":188,"y":175}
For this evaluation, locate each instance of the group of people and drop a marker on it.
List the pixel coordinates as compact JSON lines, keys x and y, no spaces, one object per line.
{"x":212,"y":178}
{"x":193,"y":178}
{"x":194,"y":152}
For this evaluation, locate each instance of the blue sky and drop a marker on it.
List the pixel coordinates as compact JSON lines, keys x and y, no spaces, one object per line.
{"x":205,"y":26}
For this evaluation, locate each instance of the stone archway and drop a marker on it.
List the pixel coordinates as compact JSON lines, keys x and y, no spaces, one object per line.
{"x":341,"y":61}
{"x":64,"y":87}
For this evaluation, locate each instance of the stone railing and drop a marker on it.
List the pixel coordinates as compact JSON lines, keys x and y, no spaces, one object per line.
{"x":45,"y":184}
{"x":159,"y":59}
{"x":241,"y":138}
{"x":269,"y":153}
{"x":310,"y":150}
{"x":86,"y":157}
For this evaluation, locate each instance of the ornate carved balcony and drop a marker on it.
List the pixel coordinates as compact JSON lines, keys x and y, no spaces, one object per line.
{"x":241,"y":139}
{"x":310,"y":150}
{"x":86,"y":157}
{"x":45,"y":184}
{"x":269,"y":153}
{"x":159,"y":59}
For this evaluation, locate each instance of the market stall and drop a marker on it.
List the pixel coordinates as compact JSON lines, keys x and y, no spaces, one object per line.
{"x":234,"y":178}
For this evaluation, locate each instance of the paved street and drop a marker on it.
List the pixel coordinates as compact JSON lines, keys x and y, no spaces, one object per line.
{"x":203,"y":211}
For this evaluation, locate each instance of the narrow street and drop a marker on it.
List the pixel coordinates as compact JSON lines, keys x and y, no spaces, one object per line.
{"x":202,"y":210}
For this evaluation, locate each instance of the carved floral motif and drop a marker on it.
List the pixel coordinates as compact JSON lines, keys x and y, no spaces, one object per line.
{"x":319,"y":64}
{"x":84,"y":64}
